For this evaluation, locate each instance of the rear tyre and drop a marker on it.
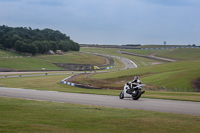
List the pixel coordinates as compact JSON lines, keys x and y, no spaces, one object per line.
{"x":137,"y":95}
{"x":121,"y":95}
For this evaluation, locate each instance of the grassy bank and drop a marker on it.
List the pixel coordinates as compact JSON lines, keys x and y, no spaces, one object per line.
{"x":180,"y":75}
{"x":27,"y":63}
{"x":4,"y":53}
{"x":10,"y":60}
{"x":73,"y":57}
{"x":33,"y":116}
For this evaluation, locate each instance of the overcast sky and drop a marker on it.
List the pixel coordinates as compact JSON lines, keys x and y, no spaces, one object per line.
{"x":109,"y":21}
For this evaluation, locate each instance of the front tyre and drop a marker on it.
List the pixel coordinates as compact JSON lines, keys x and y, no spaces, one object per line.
{"x":121,"y":95}
{"x":136,"y":95}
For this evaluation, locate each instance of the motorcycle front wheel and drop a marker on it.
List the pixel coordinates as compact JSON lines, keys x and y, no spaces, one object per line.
{"x":136,"y":95}
{"x":121,"y":95}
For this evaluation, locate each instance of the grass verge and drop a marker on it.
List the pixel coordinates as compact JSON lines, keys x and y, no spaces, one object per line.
{"x":22,"y":116}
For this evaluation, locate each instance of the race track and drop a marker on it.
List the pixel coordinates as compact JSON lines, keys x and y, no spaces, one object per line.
{"x":171,"y":106}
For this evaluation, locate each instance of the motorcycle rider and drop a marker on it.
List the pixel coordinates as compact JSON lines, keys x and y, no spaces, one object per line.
{"x":136,"y":81}
{"x":132,"y":89}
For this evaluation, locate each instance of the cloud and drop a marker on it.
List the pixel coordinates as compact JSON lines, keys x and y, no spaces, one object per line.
{"x":173,"y":2}
{"x":47,"y":2}
{"x":9,"y":0}
{"x":109,"y":21}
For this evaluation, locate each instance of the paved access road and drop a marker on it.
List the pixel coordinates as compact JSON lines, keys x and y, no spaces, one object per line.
{"x":32,"y":74}
{"x":172,"y":106}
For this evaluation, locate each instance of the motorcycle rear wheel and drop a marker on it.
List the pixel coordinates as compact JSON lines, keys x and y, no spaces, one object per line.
{"x":137,"y":95}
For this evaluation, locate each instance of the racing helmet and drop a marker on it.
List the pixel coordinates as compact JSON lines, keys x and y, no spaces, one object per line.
{"x":136,"y":77}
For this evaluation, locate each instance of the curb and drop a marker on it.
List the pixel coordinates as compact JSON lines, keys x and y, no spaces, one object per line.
{"x":77,"y":85}
{"x":68,"y":83}
{"x":109,"y":67}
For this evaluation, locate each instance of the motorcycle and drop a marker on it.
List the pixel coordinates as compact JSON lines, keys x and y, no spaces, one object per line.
{"x":134,"y":93}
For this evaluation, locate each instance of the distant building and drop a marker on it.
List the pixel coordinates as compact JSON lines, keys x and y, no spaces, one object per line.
{"x":50,"y":52}
{"x":59,"y":52}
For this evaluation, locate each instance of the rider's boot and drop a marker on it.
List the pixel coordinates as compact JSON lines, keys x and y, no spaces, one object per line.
{"x":143,"y":92}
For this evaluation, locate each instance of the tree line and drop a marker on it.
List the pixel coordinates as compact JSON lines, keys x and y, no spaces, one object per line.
{"x":28,"y":40}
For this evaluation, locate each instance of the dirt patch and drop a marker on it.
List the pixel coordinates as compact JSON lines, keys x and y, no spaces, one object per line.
{"x":196,"y":84}
{"x":107,"y":62}
{"x":96,"y":83}
{"x":73,"y":78}
{"x":156,"y":63}
{"x":153,"y":54}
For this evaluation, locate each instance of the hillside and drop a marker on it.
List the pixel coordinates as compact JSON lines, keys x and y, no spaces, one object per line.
{"x":182,"y":75}
{"x":13,"y":61}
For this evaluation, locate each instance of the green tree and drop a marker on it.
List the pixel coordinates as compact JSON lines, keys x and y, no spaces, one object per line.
{"x":53,"y":45}
{"x":33,"y":49}
{"x":34,"y":41}
{"x":64,"y":45}
{"x":18,"y":44}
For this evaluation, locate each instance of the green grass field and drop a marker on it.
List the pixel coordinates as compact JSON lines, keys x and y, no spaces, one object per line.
{"x":146,"y":52}
{"x":24,"y":116}
{"x":46,"y":61}
{"x":184,"y":54}
{"x":161,"y":46}
{"x":17,"y":115}
{"x":180,"y":53}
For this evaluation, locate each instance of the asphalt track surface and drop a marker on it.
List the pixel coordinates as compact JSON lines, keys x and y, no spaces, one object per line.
{"x":127,"y":62}
{"x":169,"y":106}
